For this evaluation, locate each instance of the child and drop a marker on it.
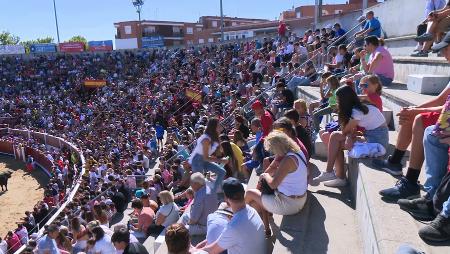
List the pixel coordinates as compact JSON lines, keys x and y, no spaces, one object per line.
{"x":319,"y":103}
{"x":371,"y":88}
{"x":330,"y":93}
{"x":305,"y":118}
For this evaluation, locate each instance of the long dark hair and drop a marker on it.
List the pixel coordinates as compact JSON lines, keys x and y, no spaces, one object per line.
{"x":211,"y":129}
{"x":347,"y":101}
{"x":228,"y":151}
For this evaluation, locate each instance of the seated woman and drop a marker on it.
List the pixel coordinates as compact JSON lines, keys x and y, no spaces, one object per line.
{"x":235,"y":158}
{"x":178,"y":240}
{"x":289,"y":180}
{"x":352,"y":113}
{"x":240,"y":141}
{"x":167,"y":214}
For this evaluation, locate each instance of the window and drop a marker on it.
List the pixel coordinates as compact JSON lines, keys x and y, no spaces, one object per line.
{"x":190,"y":42}
{"x":324,"y":12}
{"x":189,"y":30}
{"x":298,"y":14}
{"x":211,"y":40}
{"x":337,"y":11}
{"x":234,"y":24}
{"x":176,"y":43}
{"x":149,"y":30}
{"x":200,"y":41}
{"x":227,"y":38}
{"x":199,"y":29}
{"x":127,"y":29}
{"x":214,"y":23}
{"x":176,"y":29}
{"x":243,"y":36}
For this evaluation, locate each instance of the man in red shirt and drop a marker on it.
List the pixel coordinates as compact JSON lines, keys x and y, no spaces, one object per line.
{"x":264,"y":116}
{"x":145,"y":219}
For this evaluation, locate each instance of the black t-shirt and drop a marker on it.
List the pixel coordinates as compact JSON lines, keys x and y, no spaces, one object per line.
{"x":346,"y":60}
{"x":119,"y":201}
{"x":135,"y":248}
{"x":245,"y":131}
{"x":304,"y":137}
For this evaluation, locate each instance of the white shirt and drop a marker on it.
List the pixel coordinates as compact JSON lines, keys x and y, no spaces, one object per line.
{"x":171,"y":211}
{"x":3,"y":247}
{"x":104,"y":246}
{"x":372,"y":120}
{"x":199,"y":147}
{"x":295,"y":183}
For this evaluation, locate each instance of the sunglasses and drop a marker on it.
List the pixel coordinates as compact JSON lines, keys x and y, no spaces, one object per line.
{"x":364,"y":85}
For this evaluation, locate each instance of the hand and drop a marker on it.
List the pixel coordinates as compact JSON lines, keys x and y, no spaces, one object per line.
{"x":362,"y":54}
{"x":263,"y":176}
{"x":407,"y":115}
{"x":445,"y":140}
{"x":224,"y":161}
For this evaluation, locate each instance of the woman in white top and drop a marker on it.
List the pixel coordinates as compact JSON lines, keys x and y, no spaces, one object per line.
{"x":352,"y":113}
{"x":289,"y":180}
{"x":168,"y":213}
{"x":103,"y":244}
{"x":201,"y":159}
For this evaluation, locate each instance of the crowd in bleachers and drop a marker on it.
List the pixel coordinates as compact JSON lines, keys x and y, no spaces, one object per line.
{"x":241,"y":116}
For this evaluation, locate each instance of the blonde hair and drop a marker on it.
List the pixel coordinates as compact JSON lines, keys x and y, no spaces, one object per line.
{"x":302,"y":104}
{"x":166,"y":197}
{"x":279,"y":143}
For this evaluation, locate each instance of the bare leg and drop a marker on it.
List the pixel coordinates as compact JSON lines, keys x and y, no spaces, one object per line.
{"x":404,"y":136}
{"x":335,"y":147}
{"x":417,"y":157}
{"x":325,"y":137}
{"x":253,"y":198}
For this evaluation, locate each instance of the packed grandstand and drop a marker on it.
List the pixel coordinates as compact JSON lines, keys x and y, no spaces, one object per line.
{"x":169,"y":139}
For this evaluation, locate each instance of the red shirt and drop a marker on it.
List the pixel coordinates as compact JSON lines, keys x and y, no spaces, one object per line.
{"x":266,"y":122}
{"x":376,"y":100}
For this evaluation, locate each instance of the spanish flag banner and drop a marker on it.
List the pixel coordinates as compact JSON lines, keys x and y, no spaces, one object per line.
{"x":94,"y":83}
{"x":193,"y":95}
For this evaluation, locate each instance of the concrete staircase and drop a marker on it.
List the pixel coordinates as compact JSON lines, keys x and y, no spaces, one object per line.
{"x":382,"y":225}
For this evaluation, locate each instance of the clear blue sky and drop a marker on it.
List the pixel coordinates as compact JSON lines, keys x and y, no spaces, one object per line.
{"x":31,"y":19}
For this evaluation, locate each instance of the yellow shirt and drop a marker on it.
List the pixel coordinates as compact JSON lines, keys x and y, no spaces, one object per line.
{"x":237,"y":152}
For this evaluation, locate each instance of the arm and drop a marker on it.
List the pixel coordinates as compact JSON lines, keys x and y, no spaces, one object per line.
{"x":160,"y":219}
{"x":197,"y":208}
{"x":206,"y":143}
{"x":213,"y":248}
{"x":286,"y":166}
{"x":374,"y":63}
{"x":436,"y":101}
{"x":350,"y":127}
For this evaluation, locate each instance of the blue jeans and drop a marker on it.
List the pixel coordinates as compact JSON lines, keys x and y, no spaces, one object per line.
{"x":385,"y":81}
{"x":200,"y":165}
{"x":318,"y":114}
{"x":379,"y":135}
{"x":436,"y":161}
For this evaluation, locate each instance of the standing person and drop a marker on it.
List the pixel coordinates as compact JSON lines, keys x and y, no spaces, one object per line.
{"x":30,"y":163}
{"x":245,"y":231}
{"x":201,"y":159}
{"x":159,"y":129}
{"x":47,"y":244}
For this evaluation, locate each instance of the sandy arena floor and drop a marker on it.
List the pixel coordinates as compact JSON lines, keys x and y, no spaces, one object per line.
{"x":24,"y":191}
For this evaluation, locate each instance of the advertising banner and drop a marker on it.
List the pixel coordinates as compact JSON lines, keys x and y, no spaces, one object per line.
{"x":11,"y":49}
{"x":152,"y":42}
{"x":43,"y":48}
{"x":71,"y":47}
{"x":94,"y":83}
{"x":100,"y":45}
{"x":193,"y":95}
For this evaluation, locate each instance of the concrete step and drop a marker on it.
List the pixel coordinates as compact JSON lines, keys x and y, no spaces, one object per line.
{"x":406,"y":65}
{"x":427,"y":83}
{"x":383,"y":226}
{"x":327,"y":223}
{"x":310,"y":93}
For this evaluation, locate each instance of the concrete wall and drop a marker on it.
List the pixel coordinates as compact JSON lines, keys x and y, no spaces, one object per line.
{"x":400,"y":17}
{"x":347,"y":21}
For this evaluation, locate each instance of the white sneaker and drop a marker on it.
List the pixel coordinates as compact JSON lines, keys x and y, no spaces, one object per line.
{"x":338,"y":182}
{"x":323,"y":177}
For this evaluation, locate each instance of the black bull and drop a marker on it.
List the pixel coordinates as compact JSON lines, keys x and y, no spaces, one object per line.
{"x":4,"y":176}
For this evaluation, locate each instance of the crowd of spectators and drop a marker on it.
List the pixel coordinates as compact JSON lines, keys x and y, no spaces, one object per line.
{"x":205,"y":141}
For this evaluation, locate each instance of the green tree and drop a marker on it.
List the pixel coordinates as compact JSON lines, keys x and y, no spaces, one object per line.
{"x":78,"y":38}
{"x":28,"y":43}
{"x":6,"y":38}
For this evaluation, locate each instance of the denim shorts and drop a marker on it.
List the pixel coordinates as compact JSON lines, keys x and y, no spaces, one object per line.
{"x":378,"y":135}
{"x":385,"y":81}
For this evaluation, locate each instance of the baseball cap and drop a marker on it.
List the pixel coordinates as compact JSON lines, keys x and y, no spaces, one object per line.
{"x":444,"y":43}
{"x":233,"y":189}
{"x":257,"y":105}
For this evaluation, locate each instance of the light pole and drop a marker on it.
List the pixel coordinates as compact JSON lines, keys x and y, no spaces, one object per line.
{"x":138,"y":5}
{"x":221,"y":22}
{"x":56,"y":20}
